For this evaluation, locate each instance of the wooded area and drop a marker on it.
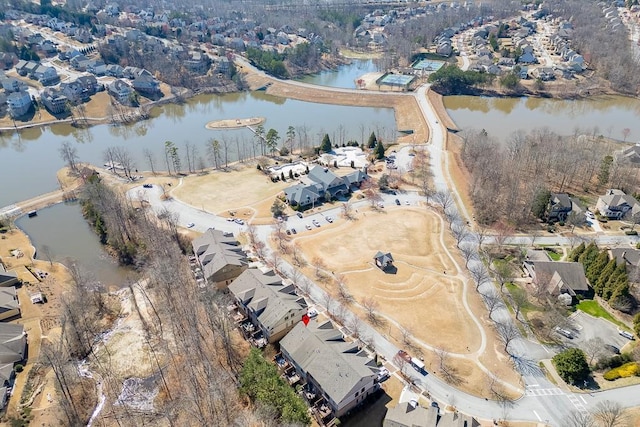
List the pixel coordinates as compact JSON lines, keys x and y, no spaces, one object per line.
{"x":507,"y":177}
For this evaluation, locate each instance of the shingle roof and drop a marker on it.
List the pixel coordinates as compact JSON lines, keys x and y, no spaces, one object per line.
{"x":267,"y":296}
{"x":12,"y":342}
{"x":571,"y":274}
{"x":406,"y":415}
{"x":8,"y":299}
{"x":626,"y":255}
{"x":336,"y":365}
{"x":561,"y":200}
{"x":215,"y":250}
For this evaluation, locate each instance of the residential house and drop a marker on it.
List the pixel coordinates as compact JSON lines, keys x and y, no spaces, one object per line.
{"x":627,"y":256}
{"x":54,"y":100}
{"x":13,"y":342}
{"x":559,"y":207}
{"x":410,"y":414}
{"x":558,"y":277}
{"x":7,"y":278}
{"x":46,"y":75}
{"x":10,"y":84}
{"x":545,"y":73}
{"x":630,"y":155}
{"x":121,"y":91}
{"x":74,"y":92}
{"x":323,"y":182}
{"x":26,"y":68}
{"x":332,"y":367}
{"x":115,"y":70}
{"x":615,"y":204}
{"x":89,"y":84}
{"x":383,"y":261}
{"x":146,"y":83}
{"x":527,"y":58}
{"x":7,"y":60}
{"x":272,"y":306}
{"x":9,"y":305}
{"x":220,"y":257}
{"x":7,"y":376}
{"x":19,"y":103}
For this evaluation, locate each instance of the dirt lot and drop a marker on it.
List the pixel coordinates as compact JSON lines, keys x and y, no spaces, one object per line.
{"x":420,"y":295}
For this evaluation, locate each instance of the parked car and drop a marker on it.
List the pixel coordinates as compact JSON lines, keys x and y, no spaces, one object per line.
{"x":190,"y":225}
{"x":383,"y":374}
{"x":239,"y":221}
{"x":289,"y":232}
{"x":308,"y":227}
{"x":564,"y":332}
{"x":312,"y":312}
{"x":590,"y":215}
{"x":299,"y":214}
{"x":612,"y":348}
{"x":329,"y":219}
{"x":147,"y":185}
{"x":406,"y":202}
{"x":398,"y":202}
{"x":293,"y":230}
{"x":316,"y":223}
{"x":627,"y":335}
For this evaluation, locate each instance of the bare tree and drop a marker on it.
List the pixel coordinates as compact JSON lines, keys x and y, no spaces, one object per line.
{"x":444,"y":199}
{"x":502,"y":271}
{"x":347,"y":210}
{"x":69,"y":154}
{"x":493,"y":301}
{"x":579,"y":419}
{"x":370,"y":306}
{"x":327,"y":301}
{"x":507,"y":332}
{"x":354,"y":324}
{"x":593,"y":349}
{"x":401,"y":363}
{"x":46,"y":251}
{"x":343,"y":291}
{"x":148,"y":154}
{"x":610,"y":414}
{"x":319,"y":266}
{"x":406,"y":334}
{"x":468,"y":253}
{"x":479,"y":274}
{"x":460,"y":232}
{"x":296,"y":255}
{"x":519,"y":299}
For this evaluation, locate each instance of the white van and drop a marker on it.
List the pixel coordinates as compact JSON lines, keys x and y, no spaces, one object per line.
{"x":417,"y":363}
{"x":627,"y":335}
{"x":564,"y":333}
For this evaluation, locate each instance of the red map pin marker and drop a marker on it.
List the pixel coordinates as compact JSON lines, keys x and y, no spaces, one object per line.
{"x":305,"y":320}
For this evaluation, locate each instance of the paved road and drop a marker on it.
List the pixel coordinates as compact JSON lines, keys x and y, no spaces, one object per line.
{"x":542,"y":402}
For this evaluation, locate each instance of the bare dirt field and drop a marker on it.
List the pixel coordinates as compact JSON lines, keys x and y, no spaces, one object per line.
{"x":425,"y":294}
{"x":234,"y":123}
{"x":220,"y":191}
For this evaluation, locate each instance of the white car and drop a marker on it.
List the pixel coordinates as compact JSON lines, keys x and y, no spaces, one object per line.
{"x":190,"y":225}
{"x":239,"y":221}
{"x":329,"y":219}
{"x":383,"y":374}
{"x":312,"y":312}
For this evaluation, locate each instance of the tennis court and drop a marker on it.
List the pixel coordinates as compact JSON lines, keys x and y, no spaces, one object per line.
{"x":396,"y":80}
{"x":428,"y":65}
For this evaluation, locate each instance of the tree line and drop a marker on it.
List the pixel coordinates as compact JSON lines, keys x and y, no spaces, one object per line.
{"x":188,"y":335}
{"x":608,"y":278}
{"x":507,"y":178}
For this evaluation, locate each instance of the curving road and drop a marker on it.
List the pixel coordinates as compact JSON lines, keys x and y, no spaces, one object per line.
{"x":542,"y":402}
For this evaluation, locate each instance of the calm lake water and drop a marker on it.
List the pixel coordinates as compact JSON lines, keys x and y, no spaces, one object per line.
{"x":345,"y":76}
{"x":69,"y":238}
{"x":31,"y":157}
{"x":500,"y":117}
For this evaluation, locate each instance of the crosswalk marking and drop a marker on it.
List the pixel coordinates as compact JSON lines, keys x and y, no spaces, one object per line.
{"x":576,"y":402}
{"x":544,"y":392}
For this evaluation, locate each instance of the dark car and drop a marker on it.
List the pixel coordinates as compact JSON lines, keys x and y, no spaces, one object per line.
{"x":398,"y":202}
{"x":612,"y":348}
{"x":299,"y":214}
{"x":147,"y":185}
{"x":293,"y":230}
{"x":288,"y":231}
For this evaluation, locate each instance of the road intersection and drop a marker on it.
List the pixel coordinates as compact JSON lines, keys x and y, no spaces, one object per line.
{"x":542,"y":400}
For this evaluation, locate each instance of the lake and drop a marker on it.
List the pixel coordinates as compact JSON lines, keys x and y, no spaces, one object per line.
{"x":61,"y":232}
{"x":500,"y":117}
{"x":29,"y":159}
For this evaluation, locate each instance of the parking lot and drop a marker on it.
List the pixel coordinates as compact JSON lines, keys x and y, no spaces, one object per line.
{"x":585,"y":327}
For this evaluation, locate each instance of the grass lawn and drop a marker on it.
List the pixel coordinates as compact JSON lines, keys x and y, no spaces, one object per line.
{"x":596,"y":310}
{"x":526,"y":308}
{"x":553,"y":255}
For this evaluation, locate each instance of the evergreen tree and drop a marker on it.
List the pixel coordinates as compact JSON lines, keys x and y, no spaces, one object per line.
{"x":325,"y":146}
{"x":615,"y":280}
{"x":371,"y":143}
{"x":596,"y":267}
{"x":379,"y":150}
{"x":588,"y":256}
{"x":601,"y":282}
{"x":621,"y":292}
{"x":541,"y":204}
{"x":576,"y":252}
